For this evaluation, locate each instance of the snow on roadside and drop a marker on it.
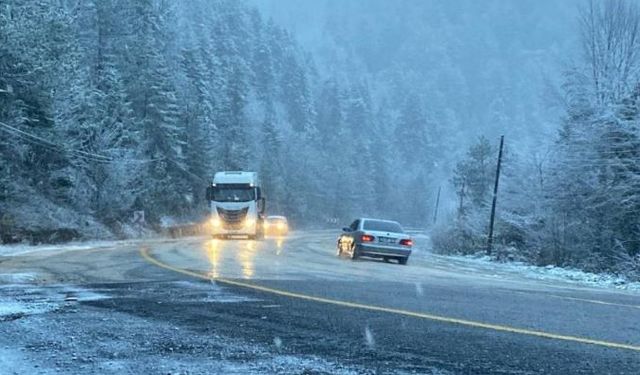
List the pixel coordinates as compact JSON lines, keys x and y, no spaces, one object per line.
{"x":487,"y":265}
{"x":16,"y":302}
{"x":23,"y":298}
{"x":22,"y":249}
{"x":18,"y":278}
{"x":15,"y":362}
{"x":10,"y":309}
{"x":209,"y":292}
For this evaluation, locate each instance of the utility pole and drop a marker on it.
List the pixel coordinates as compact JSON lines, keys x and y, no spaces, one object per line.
{"x":495,"y":197}
{"x":435,"y":212}
{"x":461,"y":199}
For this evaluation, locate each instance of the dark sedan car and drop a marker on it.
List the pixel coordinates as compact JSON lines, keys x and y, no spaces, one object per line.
{"x":374,"y":238}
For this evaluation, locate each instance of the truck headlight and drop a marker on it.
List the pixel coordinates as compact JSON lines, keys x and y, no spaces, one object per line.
{"x":216,"y":222}
{"x":248,"y":222}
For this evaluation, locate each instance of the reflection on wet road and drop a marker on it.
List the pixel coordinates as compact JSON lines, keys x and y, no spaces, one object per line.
{"x":213,"y":251}
{"x":228,"y":258}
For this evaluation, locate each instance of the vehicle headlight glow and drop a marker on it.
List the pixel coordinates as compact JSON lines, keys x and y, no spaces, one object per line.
{"x":248,"y":222}
{"x":215,"y":221}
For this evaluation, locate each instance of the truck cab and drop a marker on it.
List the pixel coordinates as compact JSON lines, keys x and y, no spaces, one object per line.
{"x":236,"y":205}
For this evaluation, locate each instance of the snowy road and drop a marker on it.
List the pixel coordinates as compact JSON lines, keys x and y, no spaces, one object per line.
{"x":292,"y":306}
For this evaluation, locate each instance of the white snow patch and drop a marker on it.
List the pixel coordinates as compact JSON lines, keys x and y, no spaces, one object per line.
{"x":486,"y":265}
{"x":371,"y":342}
{"x":227,"y":298}
{"x":84,"y":294}
{"x":18,"y":278}
{"x":214,"y":293}
{"x":277,"y":341}
{"x":14,"y":362}
{"x":12,"y":307}
{"x":22,"y":249}
{"x":21,"y":300}
{"x":305,"y":365}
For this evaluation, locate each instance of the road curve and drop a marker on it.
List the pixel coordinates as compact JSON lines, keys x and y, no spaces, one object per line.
{"x":328,"y":314}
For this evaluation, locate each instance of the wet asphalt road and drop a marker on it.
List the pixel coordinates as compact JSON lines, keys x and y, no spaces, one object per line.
{"x":292,"y":306}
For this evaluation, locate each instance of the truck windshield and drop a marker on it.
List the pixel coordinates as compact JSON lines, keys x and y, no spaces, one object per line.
{"x":222,"y":194}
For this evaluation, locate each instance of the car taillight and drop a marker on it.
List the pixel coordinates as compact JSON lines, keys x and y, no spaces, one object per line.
{"x":406,"y":242}
{"x":367,"y":238}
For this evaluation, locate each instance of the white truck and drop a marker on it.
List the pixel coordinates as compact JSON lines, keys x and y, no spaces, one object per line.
{"x":236,"y":205}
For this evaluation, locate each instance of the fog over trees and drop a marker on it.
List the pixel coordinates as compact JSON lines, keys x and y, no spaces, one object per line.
{"x":345,"y":108}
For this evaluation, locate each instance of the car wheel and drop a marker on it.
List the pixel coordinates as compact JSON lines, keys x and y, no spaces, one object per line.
{"x":403,"y":260}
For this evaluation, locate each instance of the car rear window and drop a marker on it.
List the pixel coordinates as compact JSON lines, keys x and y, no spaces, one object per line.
{"x":382,"y":226}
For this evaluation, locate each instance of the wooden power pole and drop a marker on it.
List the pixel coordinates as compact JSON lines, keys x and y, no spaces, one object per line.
{"x":461,"y":200}
{"x":495,"y":197}
{"x":435,"y":212}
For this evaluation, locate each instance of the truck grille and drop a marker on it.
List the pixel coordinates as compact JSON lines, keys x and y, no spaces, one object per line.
{"x":232,"y":218}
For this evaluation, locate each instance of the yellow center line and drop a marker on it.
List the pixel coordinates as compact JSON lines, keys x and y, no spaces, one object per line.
{"x":144,"y":252}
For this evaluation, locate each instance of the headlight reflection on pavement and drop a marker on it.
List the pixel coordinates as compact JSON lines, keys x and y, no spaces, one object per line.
{"x":279,"y":245}
{"x":213,"y":250}
{"x":245,"y":256}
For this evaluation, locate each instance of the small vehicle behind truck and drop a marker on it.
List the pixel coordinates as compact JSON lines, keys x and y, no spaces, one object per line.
{"x":276,"y":226}
{"x":236,"y":204}
{"x":373,"y":238}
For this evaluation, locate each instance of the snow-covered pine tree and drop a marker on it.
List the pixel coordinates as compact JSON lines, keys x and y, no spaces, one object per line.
{"x":156,"y":107}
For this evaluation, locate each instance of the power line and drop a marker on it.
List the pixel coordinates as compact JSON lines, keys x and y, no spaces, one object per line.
{"x":31,"y":140}
{"x":186,"y":171}
{"x":53,"y":144}
{"x":57,"y":148}
{"x":51,"y":147}
{"x":41,"y":141}
{"x":83,"y":154}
